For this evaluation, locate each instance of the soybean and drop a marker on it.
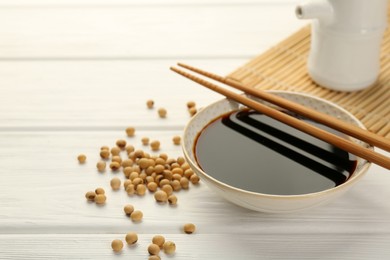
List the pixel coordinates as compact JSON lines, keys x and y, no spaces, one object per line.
{"x":116,"y":158}
{"x":117,"y":245}
{"x":130,"y":131}
{"x":90,"y":195}
{"x":172,"y":199}
{"x":129,"y":148}
{"x":126,"y":183}
{"x":180,"y":160}
{"x":176,"y":140}
{"x":155,"y":145}
{"x":133,"y":175}
{"x":131,"y":238}
{"x":101,"y":166}
{"x":128,"y":209}
{"x":188,"y":173}
{"x":115,"y":166}
{"x":162,"y":112}
{"x":184,"y":183}
{"x":104,"y":147}
{"x":127,"y":171}
{"x":158,"y":240}
{"x":178,"y":171}
{"x":115,"y":183}
{"x":163,"y":156}
{"x":127,"y":163}
{"x":161,"y":196}
{"x":192,"y":111}
{"x":150,"y":103}
{"x":143,"y":163}
{"x":137,"y":181}
{"x":121,"y":143}
{"x":82,"y":158}
{"x":139,"y":153}
{"x":149,"y":170}
{"x":99,"y":191}
{"x":169,"y":247}
{"x":159,"y":168}
{"x":115,"y":150}
{"x":194,"y":179}
{"x":153,"y":249}
{"x":176,"y":186}
{"x":167,"y":188}
{"x":185,"y":166}
{"x":191,"y":104}
{"x":189,"y":228}
{"x":100,"y":199}
{"x":141,"y":189}
{"x":105,"y":154}
{"x":164,"y":182}
{"x":136,"y":215}
{"x":145,"y":140}
{"x":152,"y":186}
{"x":130,"y":189}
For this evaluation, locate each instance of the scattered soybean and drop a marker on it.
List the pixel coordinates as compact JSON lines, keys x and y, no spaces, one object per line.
{"x":153,"y":249}
{"x":176,"y":140}
{"x":136,"y":215}
{"x":172,"y":199}
{"x":99,"y":191}
{"x":150,"y":103}
{"x":158,"y":240}
{"x":131,"y":238}
{"x":169,"y":247}
{"x":145,"y":140}
{"x":117,"y":245}
{"x":191,"y":104}
{"x":115,"y":183}
{"x":121,"y":143}
{"x":189,"y":228}
{"x":82,"y":158}
{"x":128,"y":209}
{"x":161,"y":196}
{"x":90,"y":195}
{"x":100,"y":199}
{"x":155,"y":145}
{"x":162,"y":112}
{"x":101,"y":166}
{"x":130,"y":131}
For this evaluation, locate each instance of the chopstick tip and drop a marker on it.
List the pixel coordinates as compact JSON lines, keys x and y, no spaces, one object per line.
{"x":180,"y":64}
{"x":175,"y":70}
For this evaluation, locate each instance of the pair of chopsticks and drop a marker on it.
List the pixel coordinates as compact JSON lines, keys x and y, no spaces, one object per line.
{"x":342,"y":143}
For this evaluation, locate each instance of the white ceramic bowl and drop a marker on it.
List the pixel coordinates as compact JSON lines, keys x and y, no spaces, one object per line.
{"x":260,"y":201}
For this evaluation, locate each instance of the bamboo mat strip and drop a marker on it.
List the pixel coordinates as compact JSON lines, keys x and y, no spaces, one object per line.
{"x":283,"y":67}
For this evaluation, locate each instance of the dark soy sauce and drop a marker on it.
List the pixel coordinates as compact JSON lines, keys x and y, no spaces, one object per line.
{"x":248,"y":150}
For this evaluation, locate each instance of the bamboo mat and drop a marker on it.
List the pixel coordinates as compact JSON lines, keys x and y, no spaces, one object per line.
{"x":283,"y":67}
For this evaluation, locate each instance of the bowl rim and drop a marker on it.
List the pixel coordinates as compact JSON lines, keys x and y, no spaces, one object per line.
{"x":357,"y":174}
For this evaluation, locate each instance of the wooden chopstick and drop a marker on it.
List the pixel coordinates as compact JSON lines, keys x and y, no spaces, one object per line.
{"x":332,"y":122}
{"x":323,"y":135}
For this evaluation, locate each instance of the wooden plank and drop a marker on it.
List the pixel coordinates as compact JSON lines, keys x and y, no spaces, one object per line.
{"x":62,"y":3}
{"x":200,"y":246}
{"x":43,"y":189}
{"x":99,"y":94}
{"x":144,"y":31}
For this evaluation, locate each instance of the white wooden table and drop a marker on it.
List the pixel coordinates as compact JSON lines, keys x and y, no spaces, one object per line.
{"x":75,"y":74}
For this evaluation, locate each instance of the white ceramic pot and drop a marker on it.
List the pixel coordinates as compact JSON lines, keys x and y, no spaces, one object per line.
{"x":345,"y":42}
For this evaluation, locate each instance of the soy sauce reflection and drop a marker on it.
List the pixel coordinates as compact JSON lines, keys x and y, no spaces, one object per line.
{"x":251,"y":151}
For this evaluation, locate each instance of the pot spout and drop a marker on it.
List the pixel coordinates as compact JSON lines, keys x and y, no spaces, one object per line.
{"x":314,"y":9}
